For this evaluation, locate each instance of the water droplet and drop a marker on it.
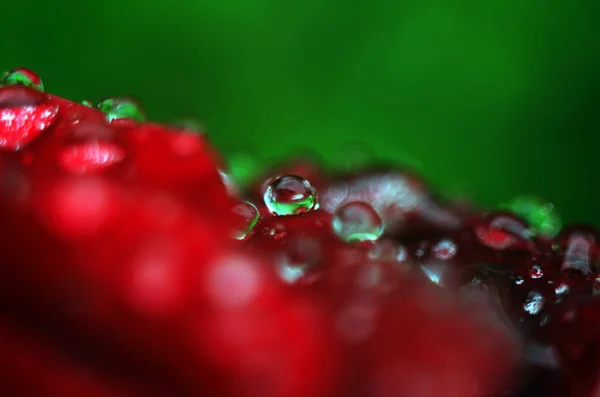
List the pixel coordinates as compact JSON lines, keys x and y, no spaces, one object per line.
{"x":562,"y":289}
{"x":21,"y":125}
{"x":229,"y":183}
{"x":87,"y":103}
{"x":436,"y":272}
{"x":445,"y":250}
{"x":121,"y":108}
{"x":24,"y":77}
{"x":89,"y":157}
{"x":290,"y":195}
{"x":596,"y":286}
{"x":519,"y":280}
{"x":536,"y":271}
{"x":300,"y":260}
{"x":534,"y":303}
{"x":357,"y":222}
{"x":247,"y":217}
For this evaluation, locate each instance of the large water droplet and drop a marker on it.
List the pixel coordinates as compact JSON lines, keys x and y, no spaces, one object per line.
{"x":230,"y":185}
{"x":357,"y":222}
{"x":290,"y":195}
{"x":121,"y":108}
{"x":21,"y":125}
{"x":300,"y":260}
{"x":22,"y":76}
{"x":246,"y":217}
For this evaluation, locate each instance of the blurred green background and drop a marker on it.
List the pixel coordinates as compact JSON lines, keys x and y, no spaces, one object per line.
{"x":486,"y":99}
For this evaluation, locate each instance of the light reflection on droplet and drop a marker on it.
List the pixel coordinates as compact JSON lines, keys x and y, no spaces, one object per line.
{"x":534,"y":303}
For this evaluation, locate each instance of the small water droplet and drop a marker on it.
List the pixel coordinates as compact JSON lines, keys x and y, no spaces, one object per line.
{"x":121,"y":108}
{"x":534,"y":303}
{"x":87,"y":103}
{"x":357,"y":222}
{"x":436,"y":272}
{"x":299,"y":260}
{"x":445,"y":250}
{"x":519,"y":280}
{"x":247,"y":217}
{"x":402,"y":255}
{"x":229,"y":183}
{"x":536,"y":271}
{"x":596,"y":286}
{"x":290,"y":195}
{"x":22,"y":76}
{"x":562,"y":289}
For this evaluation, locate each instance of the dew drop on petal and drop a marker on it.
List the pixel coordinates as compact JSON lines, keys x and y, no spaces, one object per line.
{"x":121,"y":108}
{"x":24,"y":77}
{"x":357,"y":222}
{"x":290,"y":195}
{"x":246,"y":217}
